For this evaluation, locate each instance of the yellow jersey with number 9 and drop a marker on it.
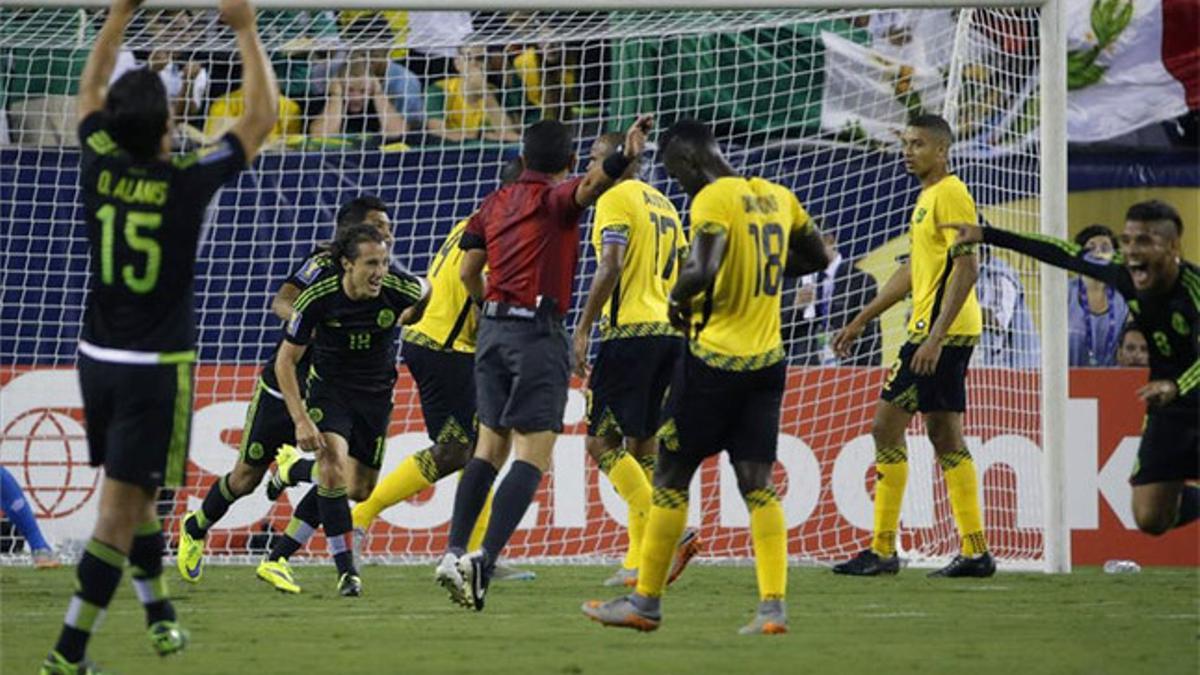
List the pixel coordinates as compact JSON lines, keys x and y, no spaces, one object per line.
{"x":449,"y":322}
{"x":638,"y":217}
{"x":737,"y":321}
{"x":933,"y":252}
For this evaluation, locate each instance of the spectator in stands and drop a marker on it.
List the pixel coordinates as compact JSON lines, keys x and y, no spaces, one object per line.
{"x":376,"y":38}
{"x":41,"y":83}
{"x":358,"y":104}
{"x":1134,"y":351}
{"x":186,"y":81}
{"x":822,"y":305}
{"x":1095,"y":312}
{"x":1009,"y":338}
{"x":433,"y":42}
{"x":465,"y":107}
{"x":547,"y":75}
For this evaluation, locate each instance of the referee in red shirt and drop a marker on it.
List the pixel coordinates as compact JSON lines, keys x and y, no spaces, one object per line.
{"x":527,"y":234}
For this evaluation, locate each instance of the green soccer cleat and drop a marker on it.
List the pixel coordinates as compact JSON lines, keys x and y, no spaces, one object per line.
{"x":623,"y":577}
{"x":621,"y":613}
{"x":278,"y":573}
{"x":349,"y":585}
{"x":55,"y":664}
{"x":771,"y":619}
{"x":285,"y":458}
{"x":190,"y":556}
{"x":167,"y":637}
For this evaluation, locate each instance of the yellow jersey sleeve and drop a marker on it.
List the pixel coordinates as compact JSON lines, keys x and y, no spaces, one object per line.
{"x":448,"y":324}
{"x":954,"y":205}
{"x":710,"y":211}
{"x":614,"y":219}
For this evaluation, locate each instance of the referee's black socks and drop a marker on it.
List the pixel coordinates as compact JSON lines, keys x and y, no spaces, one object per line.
{"x":473,"y":488}
{"x":511,"y":501}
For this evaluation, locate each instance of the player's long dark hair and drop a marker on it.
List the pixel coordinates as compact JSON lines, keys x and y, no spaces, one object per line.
{"x":136,"y":113}
{"x":345,"y":244}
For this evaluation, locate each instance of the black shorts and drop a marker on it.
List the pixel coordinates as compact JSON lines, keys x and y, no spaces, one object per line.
{"x":627,"y":385}
{"x":1170,"y":448}
{"x":359,"y":417}
{"x":446,"y":385}
{"x":268,"y":426}
{"x":139,"y":420}
{"x":944,"y":391}
{"x":522,"y":371}
{"x":710,"y":410}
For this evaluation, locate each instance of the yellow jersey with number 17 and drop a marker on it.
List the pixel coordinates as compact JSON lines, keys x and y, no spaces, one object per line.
{"x":638,"y":217}
{"x":933,"y":252}
{"x":449,"y":322}
{"x":737,"y":320}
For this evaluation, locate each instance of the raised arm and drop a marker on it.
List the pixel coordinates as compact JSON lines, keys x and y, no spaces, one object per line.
{"x":392,"y":124}
{"x":259,"y":90}
{"x":1057,"y":252}
{"x":605,"y":174}
{"x":93,"y":84}
{"x":608,"y":273}
{"x":895,"y":290}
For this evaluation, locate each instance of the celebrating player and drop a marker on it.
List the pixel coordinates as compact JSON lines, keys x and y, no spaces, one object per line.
{"x":639,"y":245}
{"x":931,"y":372}
{"x":268,"y":429}
{"x":1163,"y":293}
{"x":137,"y":350}
{"x":527,"y":234}
{"x":351,"y":315}
{"x":439,"y":351}
{"x":728,"y":387}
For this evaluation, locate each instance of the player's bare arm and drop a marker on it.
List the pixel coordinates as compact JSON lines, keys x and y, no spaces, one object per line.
{"x":285,"y":298}
{"x":414,"y":313}
{"x":895,"y":290}
{"x":93,"y":84}
{"x":471,"y":273}
{"x":308,"y":437}
{"x":703,"y":262}
{"x":259,"y":90}
{"x":608,"y":273}
{"x":606,"y":174}
{"x":806,"y":253}
{"x":964,"y":274}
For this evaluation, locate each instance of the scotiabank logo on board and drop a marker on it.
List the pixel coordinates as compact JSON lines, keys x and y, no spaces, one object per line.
{"x":824,"y":471}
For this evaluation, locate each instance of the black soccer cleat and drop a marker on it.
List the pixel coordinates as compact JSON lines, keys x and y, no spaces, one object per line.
{"x":979,"y":567}
{"x":475,"y":575}
{"x":868,"y":564}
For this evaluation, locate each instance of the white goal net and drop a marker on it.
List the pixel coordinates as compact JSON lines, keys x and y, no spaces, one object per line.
{"x":812,"y":99}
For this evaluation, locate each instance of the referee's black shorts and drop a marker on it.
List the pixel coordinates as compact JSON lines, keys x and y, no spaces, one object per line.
{"x":522,"y":371}
{"x":446,"y":386}
{"x":628,"y":382}
{"x":139,"y":420}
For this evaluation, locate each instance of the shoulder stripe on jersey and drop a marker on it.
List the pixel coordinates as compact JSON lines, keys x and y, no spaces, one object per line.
{"x":318,"y":290}
{"x":1191,"y":281}
{"x":102,"y":143}
{"x":411,"y":289}
{"x":318,"y":287}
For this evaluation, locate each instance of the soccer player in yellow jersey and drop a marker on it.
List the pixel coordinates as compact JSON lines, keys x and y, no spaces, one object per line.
{"x":439,"y":351}
{"x":639,"y":244}
{"x":746,"y":234}
{"x":930,"y":374}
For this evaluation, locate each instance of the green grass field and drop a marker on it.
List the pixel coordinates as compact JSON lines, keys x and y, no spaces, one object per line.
{"x":1016,"y":624}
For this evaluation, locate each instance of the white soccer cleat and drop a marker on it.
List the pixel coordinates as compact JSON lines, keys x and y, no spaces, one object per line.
{"x":449,"y":578}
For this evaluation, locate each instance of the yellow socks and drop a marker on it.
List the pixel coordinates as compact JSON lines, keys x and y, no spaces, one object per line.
{"x":769,"y":534}
{"x":962,"y":484}
{"x":891,"y":467}
{"x":668,"y":517}
{"x":414,"y":474}
{"x":630,"y":481}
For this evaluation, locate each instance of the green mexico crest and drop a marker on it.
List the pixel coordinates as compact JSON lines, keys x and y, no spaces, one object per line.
{"x":316,"y":415}
{"x":255,"y":451}
{"x":386,"y":318}
{"x":1180,"y":324}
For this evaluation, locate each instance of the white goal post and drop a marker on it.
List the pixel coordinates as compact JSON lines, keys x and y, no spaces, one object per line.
{"x":793,"y":89}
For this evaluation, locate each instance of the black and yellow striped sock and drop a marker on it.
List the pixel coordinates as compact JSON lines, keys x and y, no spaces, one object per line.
{"x":768,"y":531}
{"x":648,"y":463}
{"x":962,"y":486}
{"x":335,"y":518}
{"x":891,"y":476}
{"x":145,"y":562}
{"x":417,"y":472}
{"x":97,"y":577}
{"x":630,"y":481}
{"x":668,"y":518}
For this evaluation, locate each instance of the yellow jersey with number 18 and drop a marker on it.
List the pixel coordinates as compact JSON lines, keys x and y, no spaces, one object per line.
{"x":638,"y":217}
{"x":449,"y":321}
{"x":737,"y":320}
{"x":933,"y":252}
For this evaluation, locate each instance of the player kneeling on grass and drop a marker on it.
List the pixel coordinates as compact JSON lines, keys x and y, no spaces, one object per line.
{"x":143,"y":212}
{"x":728,"y":387}
{"x":351,"y":316}
{"x":268,"y":429}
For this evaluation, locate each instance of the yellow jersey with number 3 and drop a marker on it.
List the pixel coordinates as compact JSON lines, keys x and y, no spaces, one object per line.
{"x":449,"y":321}
{"x":638,"y":217}
{"x":933,"y":250}
{"x":737,"y":321}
